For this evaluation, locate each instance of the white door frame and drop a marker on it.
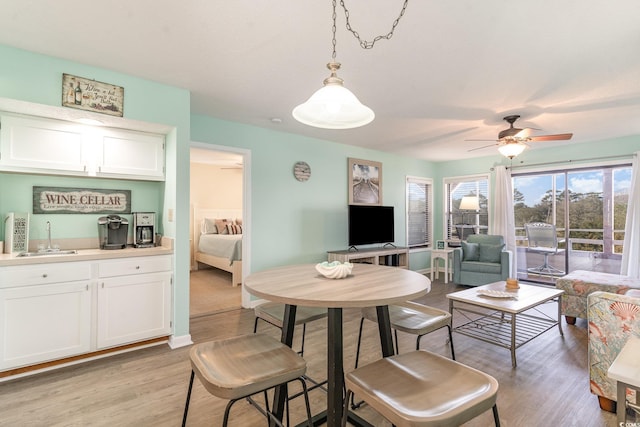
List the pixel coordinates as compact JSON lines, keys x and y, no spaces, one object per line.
{"x":246,"y":207}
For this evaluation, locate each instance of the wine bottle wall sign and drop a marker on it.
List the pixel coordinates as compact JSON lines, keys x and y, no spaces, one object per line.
{"x":90,"y":95}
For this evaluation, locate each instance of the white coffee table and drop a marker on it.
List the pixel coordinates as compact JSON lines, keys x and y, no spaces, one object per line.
{"x":503,"y":321}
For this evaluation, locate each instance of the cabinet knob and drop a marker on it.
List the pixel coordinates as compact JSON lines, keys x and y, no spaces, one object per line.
{"x":137,"y":267}
{"x":45,"y":275}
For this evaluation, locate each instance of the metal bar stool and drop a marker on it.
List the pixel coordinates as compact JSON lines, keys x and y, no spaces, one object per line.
{"x":412,"y":318}
{"x":273,"y":313}
{"x":409,"y":317}
{"x":422,"y":389}
{"x":239,"y":367}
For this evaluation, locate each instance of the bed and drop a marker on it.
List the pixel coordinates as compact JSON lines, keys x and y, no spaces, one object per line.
{"x":218,"y":243}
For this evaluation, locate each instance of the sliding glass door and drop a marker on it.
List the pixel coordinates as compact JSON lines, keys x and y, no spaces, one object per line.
{"x":586,"y":206}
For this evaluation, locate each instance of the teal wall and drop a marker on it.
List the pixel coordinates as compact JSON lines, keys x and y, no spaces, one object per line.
{"x":17,"y":191}
{"x":35,"y":78}
{"x":298,"y":222}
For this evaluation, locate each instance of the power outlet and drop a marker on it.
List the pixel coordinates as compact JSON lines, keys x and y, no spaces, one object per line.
{"x":170,"y":215}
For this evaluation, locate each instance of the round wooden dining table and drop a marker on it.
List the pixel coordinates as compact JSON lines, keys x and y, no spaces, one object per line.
{"x":367,"y":286}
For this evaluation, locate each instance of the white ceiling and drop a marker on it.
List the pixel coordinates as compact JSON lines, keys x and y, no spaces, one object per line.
{"x":451,"y":71}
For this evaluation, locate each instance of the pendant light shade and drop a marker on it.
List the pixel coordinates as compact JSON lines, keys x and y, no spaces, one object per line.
{"x":511,"y":149}
{"x":333,"y":106}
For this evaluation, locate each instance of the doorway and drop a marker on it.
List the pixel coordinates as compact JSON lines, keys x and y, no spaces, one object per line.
{"x":217,"y":192}
{"x":588,"y":208}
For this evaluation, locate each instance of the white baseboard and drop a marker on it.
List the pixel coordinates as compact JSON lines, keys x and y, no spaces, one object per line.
{"x":181,"y":341}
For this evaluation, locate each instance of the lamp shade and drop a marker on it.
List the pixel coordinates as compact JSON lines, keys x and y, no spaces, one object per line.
{"x":333,"y":107}
{"x":511,"y":149}
{"x":469,"y":203}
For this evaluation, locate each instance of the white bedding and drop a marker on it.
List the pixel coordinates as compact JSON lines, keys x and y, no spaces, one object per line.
{"x":227,"y":246}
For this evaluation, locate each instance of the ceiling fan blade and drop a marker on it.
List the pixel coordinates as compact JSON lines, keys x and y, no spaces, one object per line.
{"x":557,"y":137}
{"x":524,"y":133}
{"x":480,"y":148}
{"x":495,"y":140}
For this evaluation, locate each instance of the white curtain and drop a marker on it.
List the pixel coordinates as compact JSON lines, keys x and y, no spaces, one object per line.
{"x":631,"y":252}
{"x":503,"y":221}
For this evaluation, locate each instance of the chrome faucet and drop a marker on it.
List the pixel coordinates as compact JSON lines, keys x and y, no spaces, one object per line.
{"x":50,"y":248}
{"x":49,"y":236}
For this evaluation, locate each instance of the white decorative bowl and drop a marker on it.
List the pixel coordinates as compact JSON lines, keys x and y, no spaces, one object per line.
{"x":335,"y":269}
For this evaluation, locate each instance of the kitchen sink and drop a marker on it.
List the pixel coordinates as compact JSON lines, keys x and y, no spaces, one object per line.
{"x":48,"y":252}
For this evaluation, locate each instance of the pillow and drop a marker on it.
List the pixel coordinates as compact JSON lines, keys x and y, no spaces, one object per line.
{"x":208,"y":226}
{"x":490,"y":253}
{"x":239,"y":221}
{"x":221,"y":225}
{"x":234,"y":229}
{"x":470,"y":251}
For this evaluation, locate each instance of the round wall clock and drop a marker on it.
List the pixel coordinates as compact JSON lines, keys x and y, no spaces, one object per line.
{"x":302,"y":171}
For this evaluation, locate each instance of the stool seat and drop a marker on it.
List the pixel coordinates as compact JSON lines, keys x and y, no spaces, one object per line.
{"x":412,"y":318}
{"x":273,"y":313}
{"x":420,"y":388}
{"x":245,"y":365}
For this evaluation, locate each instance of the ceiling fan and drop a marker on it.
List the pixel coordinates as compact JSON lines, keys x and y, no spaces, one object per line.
{"x":512,"y":141}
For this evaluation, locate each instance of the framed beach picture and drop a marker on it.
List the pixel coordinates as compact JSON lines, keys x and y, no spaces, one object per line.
{"x":440,"y":244}
{"x":365,"y":182}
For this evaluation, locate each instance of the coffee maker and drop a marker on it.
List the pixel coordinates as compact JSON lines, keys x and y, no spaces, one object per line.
{"x":112,"y":232}
{"x":144,"y":229}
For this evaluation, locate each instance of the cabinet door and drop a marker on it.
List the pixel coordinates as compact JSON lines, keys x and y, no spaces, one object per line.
{"x":136,"y":154}
{"x":41,"y":145}
{"x":133,"y":308}
{"x":41,"y":323}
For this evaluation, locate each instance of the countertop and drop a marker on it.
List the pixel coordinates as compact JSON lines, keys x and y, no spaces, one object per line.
{"x":84,"y":255}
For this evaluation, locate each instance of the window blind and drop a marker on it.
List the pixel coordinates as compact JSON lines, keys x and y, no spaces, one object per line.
{"x":419,"y":201}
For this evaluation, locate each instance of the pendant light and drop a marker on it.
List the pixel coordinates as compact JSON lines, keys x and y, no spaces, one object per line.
{"x":334,"y":106}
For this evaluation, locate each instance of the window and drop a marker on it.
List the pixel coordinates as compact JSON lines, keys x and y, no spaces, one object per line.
{"x":587,"y":205}
{"x":474,"y":221}
{"x":419,"y":212}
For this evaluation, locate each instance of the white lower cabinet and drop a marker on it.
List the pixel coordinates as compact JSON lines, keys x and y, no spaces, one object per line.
{"x":133,"y":308}
{"x":57,"y":310}
{"x":47,"y":322}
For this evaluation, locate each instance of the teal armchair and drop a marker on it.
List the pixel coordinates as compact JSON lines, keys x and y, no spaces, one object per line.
{"x":481,"y":260}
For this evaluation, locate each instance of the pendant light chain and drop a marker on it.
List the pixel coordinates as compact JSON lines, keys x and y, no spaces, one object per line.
{"x":364,"y":43}
{"x":333,"y":30}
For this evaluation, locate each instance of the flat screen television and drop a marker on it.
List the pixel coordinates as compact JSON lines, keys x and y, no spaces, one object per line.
{"x":370,"y":224}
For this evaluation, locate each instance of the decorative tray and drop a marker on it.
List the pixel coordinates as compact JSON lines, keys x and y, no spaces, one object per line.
{"x":497,"y":294}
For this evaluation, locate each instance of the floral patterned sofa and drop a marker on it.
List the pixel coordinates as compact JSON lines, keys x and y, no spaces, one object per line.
{"x":578,"y":284}
{"x":612,"y":319}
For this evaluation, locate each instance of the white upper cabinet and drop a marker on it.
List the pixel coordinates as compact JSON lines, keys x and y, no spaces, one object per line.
{"x":49,"y":146}
{"x":131,"y":153}
{"x":30,"y":143}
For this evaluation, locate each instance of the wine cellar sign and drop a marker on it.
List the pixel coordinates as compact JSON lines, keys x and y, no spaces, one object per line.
{"x":62,"y":200}
{"x":90,"y":95}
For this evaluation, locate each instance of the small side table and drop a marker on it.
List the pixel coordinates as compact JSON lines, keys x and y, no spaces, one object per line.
{"x":626,"y":371}
{"x":441,"y":254}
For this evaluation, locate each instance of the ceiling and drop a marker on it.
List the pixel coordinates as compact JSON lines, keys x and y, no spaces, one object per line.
{"x":450,"y":72}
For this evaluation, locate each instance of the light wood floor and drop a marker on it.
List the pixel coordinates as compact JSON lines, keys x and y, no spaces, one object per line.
{"x":550,"y":386}
{"x":211,"y":292}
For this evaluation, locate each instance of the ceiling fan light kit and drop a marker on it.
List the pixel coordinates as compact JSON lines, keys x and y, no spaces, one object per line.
{"x":511,"y":149}
{"x":513,"y":141}
{"x":333,"y":106}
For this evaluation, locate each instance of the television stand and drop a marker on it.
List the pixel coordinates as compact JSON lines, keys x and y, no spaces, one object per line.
{"x":393,"y":257}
